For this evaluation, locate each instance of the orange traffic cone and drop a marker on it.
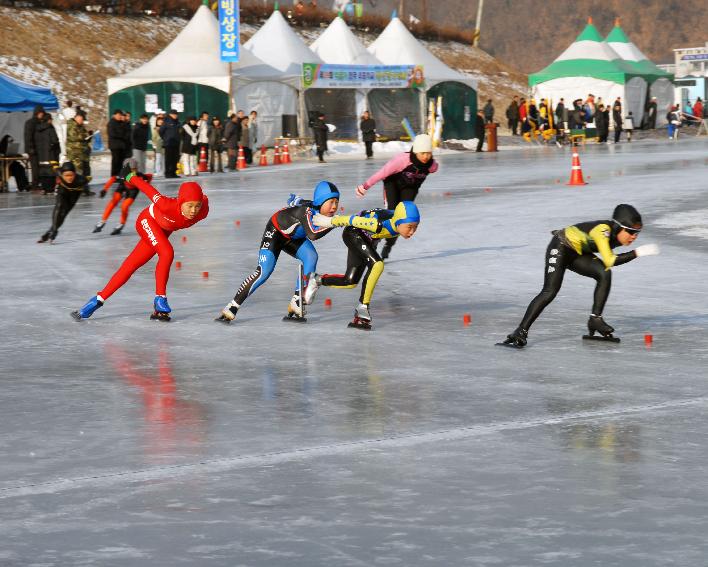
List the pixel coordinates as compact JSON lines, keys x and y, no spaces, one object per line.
{"x":286,"y":154}
{"x":276,"y":154}
{"x":202,"y":167}
{"x":241,"y":160}
{"x":576,"y":172}
{"x":264,"y":160}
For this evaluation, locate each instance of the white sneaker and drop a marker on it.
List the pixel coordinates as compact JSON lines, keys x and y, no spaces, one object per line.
{"x":313,"y":284}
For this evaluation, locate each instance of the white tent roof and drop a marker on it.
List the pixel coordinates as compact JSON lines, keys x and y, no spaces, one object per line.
{"x":280,"y":47}
{"x":338,"y":45}
{"x":191,"y":57}
{"x":397,"y":46}
{"x":252,"y":69}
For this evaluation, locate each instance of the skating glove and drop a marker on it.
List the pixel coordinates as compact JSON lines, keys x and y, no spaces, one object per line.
{"x":102,"y":193}
{"x":360,"y":191}
{"x":294,"y":200}
{"x":646,"y":250}
{"x":322,"y":220}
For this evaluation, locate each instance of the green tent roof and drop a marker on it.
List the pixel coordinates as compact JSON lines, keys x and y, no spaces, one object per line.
{"x":631,"y":55}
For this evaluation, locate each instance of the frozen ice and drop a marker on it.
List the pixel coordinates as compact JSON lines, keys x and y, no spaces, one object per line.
{"x":128,"y":442}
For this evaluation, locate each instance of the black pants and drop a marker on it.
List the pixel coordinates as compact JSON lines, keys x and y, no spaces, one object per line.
{"x":248,"y":155}
{"x":560,"y":258}
{"x":604,"y":133}
{"x":215,"y":160}
{"x":34,"y":165}
{"x":395,"y":195}
{"x":618,"y":133}
{"x":514,"y":126}
{"x":65,"y":201}
{"x":361,"y":255}
{"x":171,"y":159}
{"x":18,"y":172}
{"x":369,"y":149}
{"x":480,"y":141}
{"x":117,"y":158}
{"x":320,"y":152}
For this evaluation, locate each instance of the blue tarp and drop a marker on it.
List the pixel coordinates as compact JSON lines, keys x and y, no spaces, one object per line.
{"x":16,"y":96}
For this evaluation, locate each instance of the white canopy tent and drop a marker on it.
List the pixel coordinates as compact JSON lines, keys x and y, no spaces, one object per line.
{"x":397,"y":46}
{"x":337,"y":45}
{"x":191,"y":57}
{"x":279,"y":46}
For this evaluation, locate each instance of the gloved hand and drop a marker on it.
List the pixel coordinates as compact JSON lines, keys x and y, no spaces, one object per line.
{"x":294,"y":200}
{"x":360,"y":191}
{"x":102,"y":193}
{"x":322,"y":220}
{"x":646,"y":250}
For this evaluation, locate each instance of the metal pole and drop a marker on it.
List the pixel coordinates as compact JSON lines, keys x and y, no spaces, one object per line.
{"x":400,"y":9}
{"x":478,"y":24}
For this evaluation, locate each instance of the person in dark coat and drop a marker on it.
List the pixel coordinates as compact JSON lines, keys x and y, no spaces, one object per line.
{"x":48,"y":149}
{"x":232,"y":135}
{"x":321,"y":130}
{"x":368,"y":133}
{"x":602,"y":123}
{"x":117,"y":141}
{"x":30,"y":148}
{"x":216,"y":145}
{"x":479,"y":129}
{"x":171,"y":138}
{"x":512,"y":116}
{"x":651,"y":114}
{"x":617,"y":119}
{"x":489,"y":111}
{"x":140,"y":137}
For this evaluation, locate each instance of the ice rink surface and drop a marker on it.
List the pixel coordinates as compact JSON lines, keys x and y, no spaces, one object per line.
{"x":128,"y":442}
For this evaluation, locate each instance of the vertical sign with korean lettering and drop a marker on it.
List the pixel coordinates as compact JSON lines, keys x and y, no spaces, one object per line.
{"x":228,"y":30}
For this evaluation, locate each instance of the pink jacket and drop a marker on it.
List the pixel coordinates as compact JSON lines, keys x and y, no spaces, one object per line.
{"x":393,"y":166}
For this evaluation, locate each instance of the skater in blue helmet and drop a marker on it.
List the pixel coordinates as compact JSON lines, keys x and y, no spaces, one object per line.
{"x":291,"y":230}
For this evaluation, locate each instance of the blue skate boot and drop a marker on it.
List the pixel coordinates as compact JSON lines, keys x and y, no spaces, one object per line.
{"x":87,"y":310}
{"x":162,"y":309}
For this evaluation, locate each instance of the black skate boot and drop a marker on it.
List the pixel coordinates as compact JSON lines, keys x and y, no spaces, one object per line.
{"x":362,"y":318}
{"x":117,"y":230}
{"x":43,"y":238}
{"x":99,"y":227}
{"x":517,"y":339}
{"x":296,"y":310}
{"x":596,"y":324}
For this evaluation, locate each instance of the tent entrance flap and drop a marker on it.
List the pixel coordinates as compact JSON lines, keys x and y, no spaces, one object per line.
{"x":459,"y":104}
{"x":196,"y":98}
{"x":390,"y":106}
{"x":339,"y":108}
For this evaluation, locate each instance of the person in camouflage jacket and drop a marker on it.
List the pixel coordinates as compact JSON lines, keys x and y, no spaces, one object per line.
{"x":78,"y":148}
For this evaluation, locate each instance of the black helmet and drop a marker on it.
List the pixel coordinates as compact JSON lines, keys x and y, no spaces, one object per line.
{"x":67,"y":166}
{"x":626,"y":216}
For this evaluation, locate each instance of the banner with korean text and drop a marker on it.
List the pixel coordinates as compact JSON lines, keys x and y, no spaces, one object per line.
{"x":325,"y":76}
{"x":228,"y":30}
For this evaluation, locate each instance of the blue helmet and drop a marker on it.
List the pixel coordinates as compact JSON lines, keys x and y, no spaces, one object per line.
{"x":405,"y":212}
{"x":324,"y":191}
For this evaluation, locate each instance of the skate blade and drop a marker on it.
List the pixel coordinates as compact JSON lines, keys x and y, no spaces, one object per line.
{"x":224,"y":320}
{"x":76,"y":316}
{"x":360,"y":326}
{"x":163,"y":317}
{"x":509,"y":345}
{"x":601,"y":339}
{"x":294,"y":319}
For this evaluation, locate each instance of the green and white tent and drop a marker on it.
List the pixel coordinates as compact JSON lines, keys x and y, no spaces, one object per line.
{"x":591,"y":66}
{"x":660,"y":82}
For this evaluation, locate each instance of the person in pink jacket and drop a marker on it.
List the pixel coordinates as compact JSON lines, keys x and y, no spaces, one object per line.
{"x":402,"y":176}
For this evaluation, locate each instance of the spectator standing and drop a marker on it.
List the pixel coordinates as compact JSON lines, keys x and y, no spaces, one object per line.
{"x":523,"y":111}
{"x":48,"y":149}
{"x":512,"y":116}
{"x":479,"y":129}
{"x":629,"y":125}
{"x":673,"y":117}
{"x":140,"y":137}
{"x":321,"y":132}
{"x":116,"y":141}
{"x":561,"y":113}
{"x":253,"y":131}
{"x":698,"y":109}
{"x":216,"y":145}
{"x":203,"y":127}
{"x":31,"y":127}
{"x":368,"y":133}
{"x":189,"y":146}
{"x":617,"y":119}
{"x":158,"y":147}
{"x":602,"y":123}
{"x":651,"y":113}
{"x":64,"y":116}
{"x":170,"y":134}
{"x":78,"y":148}
{"x":489,"y":111}
{"x":688,"y":110}
{"x":232,"y":135}
{"x":245,"y":140}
